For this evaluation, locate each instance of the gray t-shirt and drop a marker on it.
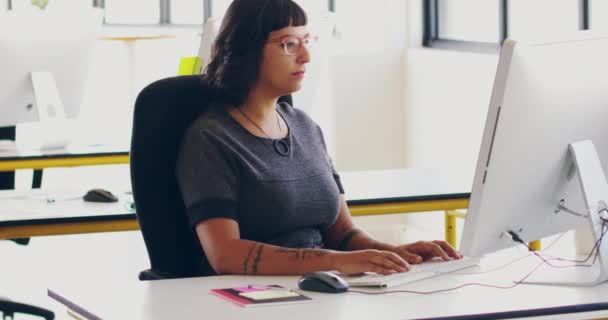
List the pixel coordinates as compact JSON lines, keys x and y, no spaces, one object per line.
{"x":289,"y":200}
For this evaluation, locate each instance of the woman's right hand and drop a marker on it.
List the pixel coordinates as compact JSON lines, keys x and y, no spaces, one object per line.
{"x":381,"y":262}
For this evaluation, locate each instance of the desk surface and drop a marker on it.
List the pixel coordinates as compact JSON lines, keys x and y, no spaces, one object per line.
{"x":61,"y":206}
{"x":71,"y":156}
{"x":120,"y":298}
{"x":362,"y":188}
{"x":70,"y":151}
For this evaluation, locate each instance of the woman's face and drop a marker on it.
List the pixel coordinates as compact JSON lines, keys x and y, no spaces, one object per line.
{"x":284,"y":60}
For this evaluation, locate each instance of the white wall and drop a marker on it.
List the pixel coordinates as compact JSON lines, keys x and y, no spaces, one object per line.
{"x":369,"y":100}
{"x":447,"y":97}
{"x":368,"y":79}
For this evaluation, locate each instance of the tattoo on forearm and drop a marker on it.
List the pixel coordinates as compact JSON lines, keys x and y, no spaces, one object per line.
{"x":256,"y":260}
{"x":343,"y":246}
{"x":301,"y":254}
{"x":246,"y":261}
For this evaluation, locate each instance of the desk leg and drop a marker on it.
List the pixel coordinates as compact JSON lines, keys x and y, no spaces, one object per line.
{"x":450,"y":228}
{"x":535,"y":245}
{"x":7,"y":179}
{"x":37,"y":179}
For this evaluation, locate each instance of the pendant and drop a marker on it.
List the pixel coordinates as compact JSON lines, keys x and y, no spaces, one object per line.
{"x":281,"y":147}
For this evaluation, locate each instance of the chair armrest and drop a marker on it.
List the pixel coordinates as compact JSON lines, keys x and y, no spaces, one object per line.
{"x":9,"y":308}
{"x":151,"y":274}
{"x":21,"y":241}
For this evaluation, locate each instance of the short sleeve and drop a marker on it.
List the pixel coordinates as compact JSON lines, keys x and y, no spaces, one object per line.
{"x":207,"y":177}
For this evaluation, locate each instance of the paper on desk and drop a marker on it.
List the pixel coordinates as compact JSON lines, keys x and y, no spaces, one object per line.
{"x":269,"y":294}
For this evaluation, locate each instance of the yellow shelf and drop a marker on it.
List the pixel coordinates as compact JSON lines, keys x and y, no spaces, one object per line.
{"x":10,"y":165}
{"x":408,"y":207}
{"x":14,"y":232}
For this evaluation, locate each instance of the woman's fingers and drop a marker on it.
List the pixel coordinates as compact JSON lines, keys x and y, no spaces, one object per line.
{"x":448,"y":249}
{"x":388,"y":261}
{"x":410,"y":257}
{"x":428,"y":250}
{"x":396,"y":259}
{"x":438,"y":251}
{"x":371,"y":267}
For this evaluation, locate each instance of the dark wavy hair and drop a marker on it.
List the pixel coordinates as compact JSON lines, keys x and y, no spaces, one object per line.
{"x":236,"y":55}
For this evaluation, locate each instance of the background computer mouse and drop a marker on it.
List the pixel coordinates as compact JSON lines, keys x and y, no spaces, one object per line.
{"x":321,"y":281}
{"x":99,"y":195}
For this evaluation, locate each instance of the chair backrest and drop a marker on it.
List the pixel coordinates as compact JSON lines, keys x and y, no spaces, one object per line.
{"x":163,"y":112}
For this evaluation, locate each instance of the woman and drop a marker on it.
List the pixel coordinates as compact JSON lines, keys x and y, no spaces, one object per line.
{"x":259,"y":187}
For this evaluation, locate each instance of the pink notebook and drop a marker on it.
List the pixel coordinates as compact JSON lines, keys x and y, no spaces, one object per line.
{"x":255,"y":296}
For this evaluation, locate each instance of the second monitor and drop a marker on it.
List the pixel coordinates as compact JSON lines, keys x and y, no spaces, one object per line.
{"x":44,"y":58}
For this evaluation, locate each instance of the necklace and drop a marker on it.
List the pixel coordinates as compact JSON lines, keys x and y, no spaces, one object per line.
{"x":280,"y":145}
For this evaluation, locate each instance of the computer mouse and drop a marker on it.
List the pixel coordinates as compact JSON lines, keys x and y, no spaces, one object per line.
{"x":322,"y":281}
{"x":99,"y":195}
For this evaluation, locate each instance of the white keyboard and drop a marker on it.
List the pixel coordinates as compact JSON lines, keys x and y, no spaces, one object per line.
{"x":417,"y":272}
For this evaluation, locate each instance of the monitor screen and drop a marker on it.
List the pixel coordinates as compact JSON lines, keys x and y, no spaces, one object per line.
{"x":546,"y":96}
{"x":54,"y":44}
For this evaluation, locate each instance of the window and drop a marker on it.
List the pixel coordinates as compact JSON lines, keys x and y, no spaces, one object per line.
{"x":163,"y":12}
{"x":468,"y":20}
{"x":132,"y":12}
{"x":29,"y":5}
{"x":538,"y":18}
{"x":471,"y":25}
{"x":482,"y":24}
{"x":186,"y":11}
{"x":148,"y":12}
{"x":219,"y":7}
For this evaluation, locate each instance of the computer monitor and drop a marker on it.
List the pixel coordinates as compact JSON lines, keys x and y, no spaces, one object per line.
{"x":544,"y":150}
{"x":44,"y":60}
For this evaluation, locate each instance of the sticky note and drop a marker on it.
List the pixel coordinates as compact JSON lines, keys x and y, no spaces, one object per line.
{"x":250,"y":289}
{"x":269,"y":294}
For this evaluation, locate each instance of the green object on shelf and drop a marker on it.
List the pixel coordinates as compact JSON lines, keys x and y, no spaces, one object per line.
{"x":40,"y":3}
{"x":189,"y":66}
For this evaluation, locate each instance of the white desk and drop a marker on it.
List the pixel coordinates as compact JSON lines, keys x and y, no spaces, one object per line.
{"x":72,"y":155}
{"x":368,"y":193}
{"x":60,"y":205}
{"x":119,"y":297}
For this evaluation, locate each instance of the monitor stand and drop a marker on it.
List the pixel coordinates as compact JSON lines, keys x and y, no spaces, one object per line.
{"x":51,"y":112}
{"x":594,"y":187}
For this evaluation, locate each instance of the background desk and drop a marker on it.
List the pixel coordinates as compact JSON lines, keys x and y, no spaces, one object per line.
{"x":71,"y":156}
{"x":368,"y":193}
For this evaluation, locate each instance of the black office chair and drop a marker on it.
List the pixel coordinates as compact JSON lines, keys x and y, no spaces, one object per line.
{"x":163,"y":112}
{"x":9,"y":308}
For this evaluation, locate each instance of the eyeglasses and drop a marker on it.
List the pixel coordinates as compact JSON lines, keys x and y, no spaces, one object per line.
{"x":293,"y":44}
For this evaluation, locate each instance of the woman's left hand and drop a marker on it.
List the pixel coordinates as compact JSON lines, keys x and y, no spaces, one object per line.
{"x":421,"y":251}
